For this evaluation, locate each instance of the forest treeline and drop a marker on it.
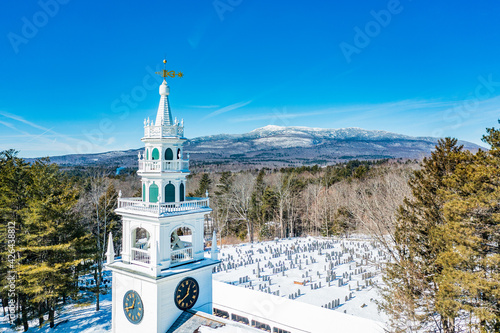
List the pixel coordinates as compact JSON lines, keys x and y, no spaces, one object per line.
{"x":308,"y":200}
{"x":438,"y":220}
{"x":53,"y":228}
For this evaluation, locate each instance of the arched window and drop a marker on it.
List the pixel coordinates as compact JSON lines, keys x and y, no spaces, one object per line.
{"x":153,"y":193}
{"x":140,"y":239}
{"x":170,"y":193}
{"x":140,"y":245}
{"x":147,"y":154}
{"x":155,"y":155}
{"x":169,"y":155}
{"x":178,"y":153}
{"x":181,"y":192}
{"x":181,"y":245}
{"x":143,"y":192}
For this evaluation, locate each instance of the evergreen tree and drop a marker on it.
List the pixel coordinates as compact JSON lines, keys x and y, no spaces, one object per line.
{"x":446,"y":272}
{"x":39,"y":199}
{"x":292,"y":186}
{"x":255,"y":213}
{"x":50,"y":254}
{"x":14,"y":181}
{"x":268,"y":212}
{"x":413,"y":279}
{"x":471,"y":262}
{"x":344,"y":222}
{"x":204,"y":186}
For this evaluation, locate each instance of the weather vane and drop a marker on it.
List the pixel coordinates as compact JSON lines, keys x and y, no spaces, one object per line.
{"x":166,"y":73}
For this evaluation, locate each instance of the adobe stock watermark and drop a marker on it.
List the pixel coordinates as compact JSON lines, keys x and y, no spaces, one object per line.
{"x":11,"y":272}
{"x":31,"y":26}
{"x":363,"y":37}
{"x":120,"y":107}
{"x":280,"y":117}
{"x":223,"y":6}
{"x":485,"y":89}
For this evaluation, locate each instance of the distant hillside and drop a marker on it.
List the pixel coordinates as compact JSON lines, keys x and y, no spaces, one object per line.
{"x":282,"y":146}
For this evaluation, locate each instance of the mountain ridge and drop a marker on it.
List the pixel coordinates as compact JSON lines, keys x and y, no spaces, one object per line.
{"x":277,"y":146}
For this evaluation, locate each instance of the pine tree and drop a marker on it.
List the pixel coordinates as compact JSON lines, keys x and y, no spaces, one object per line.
{"x":268,"y":212}
{"x":14,"y":197}
{"x":255,"y":213}
{"x":446,"y":273}
{"x":50,"y":254}
{"x":413,"y":279}
{"x":471,"y":264}
{"x":205,"y":183}
{"x":344,"y":221}
{"x":39,"y":199}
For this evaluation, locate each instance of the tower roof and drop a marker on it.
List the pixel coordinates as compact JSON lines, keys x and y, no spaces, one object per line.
{"x":164,"y":114}
{"x":164,"y":126}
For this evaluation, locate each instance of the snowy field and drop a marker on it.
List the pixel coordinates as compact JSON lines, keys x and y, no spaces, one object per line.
{"x":73,"y":319}
{"x":337,"y":274}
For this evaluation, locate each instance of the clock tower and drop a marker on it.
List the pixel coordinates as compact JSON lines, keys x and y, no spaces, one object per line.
{"x":162,"y":270}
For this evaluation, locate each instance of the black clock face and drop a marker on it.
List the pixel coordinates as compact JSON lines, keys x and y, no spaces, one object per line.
{"x":133,"y":307}
{"x":186,"y":293}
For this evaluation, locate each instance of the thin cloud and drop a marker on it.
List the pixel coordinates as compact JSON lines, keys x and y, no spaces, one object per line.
{"x":29,"y":123}
{"x":228,"y":108}
{"x":70,"y":144}
{"x":39,"y":135}
{"x":22,"y":120}
{"x":8,"y":125}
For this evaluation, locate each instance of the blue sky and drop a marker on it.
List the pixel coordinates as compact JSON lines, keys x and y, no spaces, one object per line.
{"x":76,"y":76}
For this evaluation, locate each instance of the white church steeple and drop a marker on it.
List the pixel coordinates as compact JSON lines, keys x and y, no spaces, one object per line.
{"x":162,"y":257}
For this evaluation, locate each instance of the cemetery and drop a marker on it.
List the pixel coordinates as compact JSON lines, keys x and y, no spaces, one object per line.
{"x":337,"y":274}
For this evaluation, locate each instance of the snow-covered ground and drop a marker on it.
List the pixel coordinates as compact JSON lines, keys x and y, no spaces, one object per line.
{"x":338,"y":273}
{"x":73,"y":319}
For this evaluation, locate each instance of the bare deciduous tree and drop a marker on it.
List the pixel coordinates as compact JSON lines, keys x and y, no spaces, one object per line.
{"x":240,"y":195}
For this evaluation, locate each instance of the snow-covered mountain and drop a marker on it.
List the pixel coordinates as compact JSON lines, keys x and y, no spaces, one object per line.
{"x":281,"y":146}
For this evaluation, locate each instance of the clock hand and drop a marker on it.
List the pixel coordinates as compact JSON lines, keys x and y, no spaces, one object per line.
{"x":131,"y":307}
{"x":187,"y":293}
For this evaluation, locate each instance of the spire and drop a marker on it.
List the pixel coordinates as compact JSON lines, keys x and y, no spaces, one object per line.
{"x":110,"y":254}
{"x":214,"y":250}
{"x":164,"y":115}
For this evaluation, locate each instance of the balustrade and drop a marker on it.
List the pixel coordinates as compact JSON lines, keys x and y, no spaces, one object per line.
{"x":140,"y":257}
{"x":151,"y":131}
{"x":137,"y":204}
{"x":156,"y":166}
{"x":181,"y":255}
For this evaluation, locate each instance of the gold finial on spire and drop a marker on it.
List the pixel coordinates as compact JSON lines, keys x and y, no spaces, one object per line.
{"x":166,"y":73}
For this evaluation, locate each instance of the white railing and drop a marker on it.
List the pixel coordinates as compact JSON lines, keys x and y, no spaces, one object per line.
{"x":137,"y":204}
{"x":140,"y":256}
{"x":176,"y":165}
{"x":151,"y":131}
{"x":181,"y":255}
{"x":155,"y":166}
{"x":149,"y":165}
